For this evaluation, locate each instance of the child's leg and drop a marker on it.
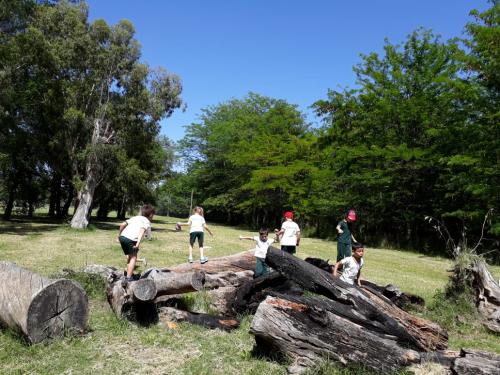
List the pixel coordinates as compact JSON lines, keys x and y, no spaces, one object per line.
{"x":259,"y":268}
{"x":131,"y":264}
{"x":200,"y":244}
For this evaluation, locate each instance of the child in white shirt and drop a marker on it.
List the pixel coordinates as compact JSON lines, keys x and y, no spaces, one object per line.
{"x":351,"y":266}
{"x":197,"y":226}
{"x":262,"y":243}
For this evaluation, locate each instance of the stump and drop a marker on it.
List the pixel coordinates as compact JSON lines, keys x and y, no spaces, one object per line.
{"x":487,"y":296}
{"x":38,"y":307}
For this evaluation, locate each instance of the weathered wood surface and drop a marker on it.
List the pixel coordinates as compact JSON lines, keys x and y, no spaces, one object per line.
{"x":418,"y":333}
{"x":244,"y":261}
{"x":38,"y":307}
{"x":227,"y":278}
{"x":169,"y":314}
{"x":400,"y":298}
{"x":474,"y":362}
{"x":488,"y":296}
{"x":168,"y":282}
{"x":307,"y":332}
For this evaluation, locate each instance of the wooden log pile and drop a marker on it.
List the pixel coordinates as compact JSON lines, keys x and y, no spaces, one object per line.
{"x":38,"y":307}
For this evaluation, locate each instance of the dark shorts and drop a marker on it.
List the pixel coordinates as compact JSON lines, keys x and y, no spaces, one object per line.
{"x":196,"y":235}
{"x":343,"y":250}
{"x":128,"y":245}
{"x":289,"y":249}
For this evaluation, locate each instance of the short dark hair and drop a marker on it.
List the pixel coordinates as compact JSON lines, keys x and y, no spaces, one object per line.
{"x":357,"y":245}
{"x":263,"y":231}
{"x":147,"y":210}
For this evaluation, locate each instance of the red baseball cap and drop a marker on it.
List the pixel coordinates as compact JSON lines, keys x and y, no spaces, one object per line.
{"x":351,"y":215}
{"x":288,"y":215}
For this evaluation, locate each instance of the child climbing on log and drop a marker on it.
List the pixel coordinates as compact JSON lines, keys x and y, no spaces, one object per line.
{"x":131,"y":233}
{"x":345,"y":236}
{"x":351,"y":266}
{"x":289,"y":234}
{"x":262,"y":243}
{"x":198,"y":225}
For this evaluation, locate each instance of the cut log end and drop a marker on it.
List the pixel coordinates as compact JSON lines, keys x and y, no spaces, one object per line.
{"x":60,"y":307}
{"x":143,"y":290}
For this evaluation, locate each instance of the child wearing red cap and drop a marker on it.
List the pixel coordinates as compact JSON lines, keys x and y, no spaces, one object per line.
{"x":289,"y":234}
{"x":345,"y":236}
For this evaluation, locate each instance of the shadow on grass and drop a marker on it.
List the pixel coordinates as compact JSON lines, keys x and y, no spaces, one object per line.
{"x":23,"y":227}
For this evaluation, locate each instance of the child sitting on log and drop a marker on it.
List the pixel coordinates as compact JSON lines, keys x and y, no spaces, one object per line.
{"x":262,"y":243}
{"x":351,"y":266}
{"x":131,"y":233}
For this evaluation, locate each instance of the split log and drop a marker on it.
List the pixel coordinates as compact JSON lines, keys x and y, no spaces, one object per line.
{"x":227,"y":278}
{"x":473,"y":362}
{"x":38,"y":307}
{"x":244,"y":261}
{"x":167,"y":282}
{"x":307,"y":331}
{"x":249,"y":295}
{"x":487,"y":296}
{"x":168,"y":314}
{"x":419,"y":333}
{"x":401,"y":299}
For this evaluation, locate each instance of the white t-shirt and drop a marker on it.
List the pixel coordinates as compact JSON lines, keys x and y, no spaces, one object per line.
{"x":289,"y":237}
{"x":134,"y":225}
{"x":350,"y":269}
{"x":196,"y":221}
{"x":262,"y":246}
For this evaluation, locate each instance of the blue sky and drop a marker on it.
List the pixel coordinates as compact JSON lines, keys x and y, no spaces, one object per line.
{"x":292,"y":50}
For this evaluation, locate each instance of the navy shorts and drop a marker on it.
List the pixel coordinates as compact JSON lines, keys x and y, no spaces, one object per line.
{"x":289,"y":249}
{"x":128,"y":245}
{"x":196,"y":235}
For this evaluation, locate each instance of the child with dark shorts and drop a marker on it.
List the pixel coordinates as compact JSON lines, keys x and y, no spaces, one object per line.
{"x":131,"y":233}
{"x":197,"y":226}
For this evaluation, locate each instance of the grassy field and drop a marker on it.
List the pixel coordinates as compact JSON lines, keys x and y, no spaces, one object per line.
{"x":113,"y":346}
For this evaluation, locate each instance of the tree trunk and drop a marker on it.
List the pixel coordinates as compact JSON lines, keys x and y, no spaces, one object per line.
{"x":416,"y":332}
{"x":238,"y":262}
{"x":168,"y":282}
{"x":85,"y":197}
{"x":474,"y":362}
{"x":40,"y":308}
{"x":69,"y":199}
{"x":487,"y":295}
{"x":307,"y":331}
{"x":169,"y":314}
{"x":7,"y":214}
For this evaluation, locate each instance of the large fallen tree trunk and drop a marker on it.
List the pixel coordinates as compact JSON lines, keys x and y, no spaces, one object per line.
{"x":307,"y":331}
{"x":38,"y":307}
{"x":475,"y":362}
{"x":135,"y":299}
{"x":418,"y":333}
{"x":244,"y":261}
{"x":169,"y":314}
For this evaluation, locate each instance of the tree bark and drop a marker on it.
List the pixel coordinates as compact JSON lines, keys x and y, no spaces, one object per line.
{"x":307,"y":331}
{"x":487,"y":296}
{"x":169,"y":314}
{"x":40,"y":308}
{"x":474,"y":362}
{"x":416,"y":332}
{"x":244,"y":261}
{"x":7,"y":214}
{"x":85,"y":197}
{"x":168,"y":282}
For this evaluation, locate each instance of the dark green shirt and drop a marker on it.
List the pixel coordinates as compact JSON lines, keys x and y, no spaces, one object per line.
{"x":346,"y":236}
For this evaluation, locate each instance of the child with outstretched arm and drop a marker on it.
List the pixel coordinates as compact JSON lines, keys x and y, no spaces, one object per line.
{"x":262,"y":243}
{"x":351,"y":266}
{"x":131,"y":233}
{"x":196,"y":232}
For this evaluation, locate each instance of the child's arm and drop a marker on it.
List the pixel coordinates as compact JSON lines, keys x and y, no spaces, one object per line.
{"x":246,"y":238}
{"x":122,"y":227}
{"x":339,"y":230}
{"x":278,"y":233}
{"x":298,"y":238}
{"x":358,"y":278}
{"x":208,"y":229}
{"x":139,"y":237}
{"x":353,"y":239}
{"x":336,"y":268}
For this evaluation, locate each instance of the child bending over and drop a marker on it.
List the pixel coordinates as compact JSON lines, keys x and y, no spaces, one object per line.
{"x":262,"y":243}
{"x":351,"y":266}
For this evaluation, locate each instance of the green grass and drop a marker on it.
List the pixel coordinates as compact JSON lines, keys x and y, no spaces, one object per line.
{"x":113,"y":346}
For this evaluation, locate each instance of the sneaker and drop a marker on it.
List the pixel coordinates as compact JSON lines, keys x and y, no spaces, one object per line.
{"x":190,"y":259}
{"x":203,"y":260}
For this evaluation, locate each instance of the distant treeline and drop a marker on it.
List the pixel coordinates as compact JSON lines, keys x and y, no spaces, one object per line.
{"x":418,"y":136}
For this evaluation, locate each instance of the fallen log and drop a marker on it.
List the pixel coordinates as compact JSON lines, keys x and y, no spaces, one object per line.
{"x":306,"y":331}
{"x":474,"y":362}
{"x":38,"y":307}
{"x":167,"y":282}
{"x":418,"y":333}
{"x":401,"y":299}
{"x":169,"y":314}
{"x":244,"y":261}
